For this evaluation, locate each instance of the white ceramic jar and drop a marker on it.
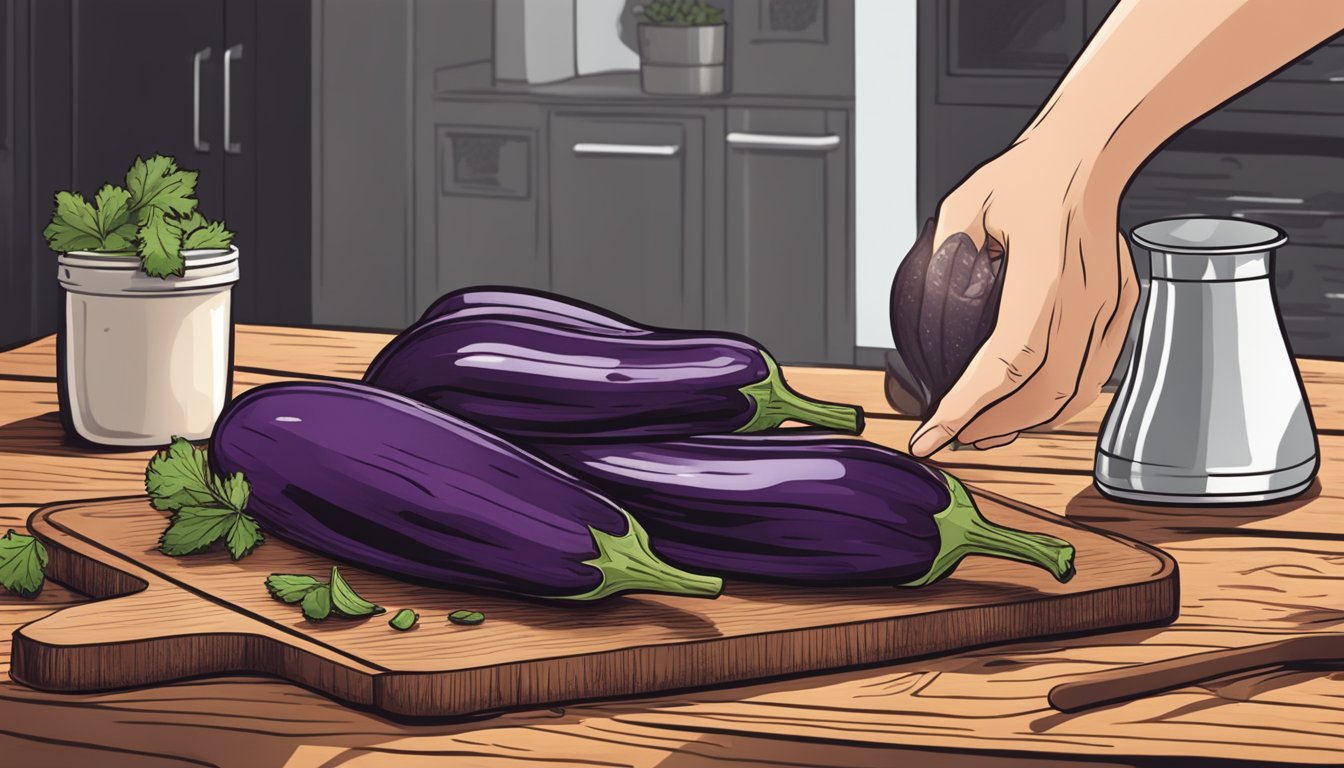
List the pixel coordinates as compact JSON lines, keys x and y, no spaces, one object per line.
{"x":143,"y":359}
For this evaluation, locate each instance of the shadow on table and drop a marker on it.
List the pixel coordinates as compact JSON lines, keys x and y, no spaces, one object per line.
{"x":1153,"y":524}
{"x":44,"y":436}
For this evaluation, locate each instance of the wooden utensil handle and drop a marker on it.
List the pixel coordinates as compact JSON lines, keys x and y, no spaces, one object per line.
{"x":1145,"y":679}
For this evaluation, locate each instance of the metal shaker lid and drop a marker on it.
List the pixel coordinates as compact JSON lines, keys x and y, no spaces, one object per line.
{"x":1208,"y":248}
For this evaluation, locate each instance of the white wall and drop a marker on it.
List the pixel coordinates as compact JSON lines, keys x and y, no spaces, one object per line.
{"x":885,"y":84}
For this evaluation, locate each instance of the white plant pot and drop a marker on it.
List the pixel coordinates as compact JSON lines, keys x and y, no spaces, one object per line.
{"x":143,"y":359}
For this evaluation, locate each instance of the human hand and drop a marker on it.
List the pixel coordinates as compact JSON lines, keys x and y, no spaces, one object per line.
{"x":1069,"y":291}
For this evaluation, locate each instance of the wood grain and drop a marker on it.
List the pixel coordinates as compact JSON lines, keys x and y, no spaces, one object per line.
{"x":209,"y":615}
{"x":1248,"y":574}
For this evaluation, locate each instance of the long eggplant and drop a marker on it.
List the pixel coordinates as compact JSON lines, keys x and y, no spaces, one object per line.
{"x":809,"y":510}
{"x":528,"y":304}
{"x":537,"y":381}
{"x":389,"y":484}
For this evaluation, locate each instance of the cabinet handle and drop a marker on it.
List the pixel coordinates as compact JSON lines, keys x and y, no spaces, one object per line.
{"x":231,"y":55}
{"x":196,"y":59}
{"x":1264,"y":199}
{"x":783,"y":141}
{"x":655,"y":150}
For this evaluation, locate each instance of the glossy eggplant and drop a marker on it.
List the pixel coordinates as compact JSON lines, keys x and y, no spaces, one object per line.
{"x":542,"y":382}
{"x":532,"y":305}
{"x":802,"y":509}
{"x":386,"y":483}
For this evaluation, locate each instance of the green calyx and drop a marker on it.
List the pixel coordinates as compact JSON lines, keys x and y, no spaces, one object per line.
{"x":629,"y":565}
{"x":963,"y":531}
{"x":776,"y":404}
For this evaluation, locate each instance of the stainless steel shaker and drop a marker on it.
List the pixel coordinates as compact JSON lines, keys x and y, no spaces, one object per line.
{"x":1212,"y":409}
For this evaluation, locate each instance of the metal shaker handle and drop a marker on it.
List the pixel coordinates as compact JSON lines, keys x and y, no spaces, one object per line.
{"x":196,"y":141}
{"x":231,"y":55}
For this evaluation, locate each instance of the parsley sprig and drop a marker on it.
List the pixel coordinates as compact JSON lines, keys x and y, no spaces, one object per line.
{"x":205,"y":507}
{"x":22,"y":560}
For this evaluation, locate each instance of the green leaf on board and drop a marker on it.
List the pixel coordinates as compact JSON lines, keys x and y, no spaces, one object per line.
{"x":22,"y":563}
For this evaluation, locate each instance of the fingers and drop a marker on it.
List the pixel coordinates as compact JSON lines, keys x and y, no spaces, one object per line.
{"x":995,"y":442}
{"x":958,"y":215}
{"x":1012,"y":353}
{"x":1101,"y":361}
{"x":1088,"y":294}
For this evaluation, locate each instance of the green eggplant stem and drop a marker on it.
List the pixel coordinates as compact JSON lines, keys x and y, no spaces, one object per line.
{"x":776,"y":403}
{"x":629,"y":565}
{"x":963,"y":531}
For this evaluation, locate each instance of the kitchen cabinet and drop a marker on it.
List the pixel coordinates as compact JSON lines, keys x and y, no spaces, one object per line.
{"x":790,"y":262}
{"x":484,"y":200}
{"x":716,"y":216}
{"x":150,"y":78}
{"x":628,"y":203}
{"x":98,"y":82}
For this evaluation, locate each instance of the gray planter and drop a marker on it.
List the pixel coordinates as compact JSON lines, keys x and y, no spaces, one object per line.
{"x":681,"y":61}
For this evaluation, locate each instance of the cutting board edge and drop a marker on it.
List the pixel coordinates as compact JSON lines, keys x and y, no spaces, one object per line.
{"x":1162,"y":593}
{"x":395,"y":691}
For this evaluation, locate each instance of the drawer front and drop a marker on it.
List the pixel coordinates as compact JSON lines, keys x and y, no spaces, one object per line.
{"x":1315,"y":83}
{"x":1292,"y":182}
{"x":626,"y":226}
{"x":1311,"y":283}
{"x":792,"y":47}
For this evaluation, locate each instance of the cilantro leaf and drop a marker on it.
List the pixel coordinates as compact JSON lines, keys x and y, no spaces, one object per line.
{"x":74,"y":225}
{"x":178,"y":476}
{"x":404,"y":620}
{"x":317,"y":604}
{"x":210,"y":235}
{"x":157,"y":184}
{"x":347,"y":601}
{"x":22,"y":559}
{"x":244,"y":536}
{"x":289,"y":588}
{"x":191,"y":223}
{"x":193,"y":529}
{"x":319,"y":600}
{"x":160,"y":245}
{"x":113,"y":211}
{"x":205,"y":508}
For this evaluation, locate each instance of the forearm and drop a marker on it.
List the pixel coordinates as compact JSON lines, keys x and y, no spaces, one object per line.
{"x":1155,"y":66}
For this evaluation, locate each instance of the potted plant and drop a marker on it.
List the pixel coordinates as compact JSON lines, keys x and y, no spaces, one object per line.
{"x":681,"y":48}
{"x":145,"y":340}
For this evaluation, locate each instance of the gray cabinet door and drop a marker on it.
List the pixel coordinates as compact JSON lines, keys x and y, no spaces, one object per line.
{"x":789,"y":252}
{"x":479,"y":206}
{"x":627,"y":201}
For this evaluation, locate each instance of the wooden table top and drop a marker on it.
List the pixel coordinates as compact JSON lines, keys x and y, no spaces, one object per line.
{"x":1248,"y":575}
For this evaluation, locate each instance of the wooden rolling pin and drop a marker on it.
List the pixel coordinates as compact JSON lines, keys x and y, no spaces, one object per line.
{"x":1117,"y":685}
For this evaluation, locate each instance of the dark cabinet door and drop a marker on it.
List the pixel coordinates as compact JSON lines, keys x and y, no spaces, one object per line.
{"x":223,"y":87}
{"x":789,"y":281}
{"x":135,"y":89}
{"x":627,"y":214}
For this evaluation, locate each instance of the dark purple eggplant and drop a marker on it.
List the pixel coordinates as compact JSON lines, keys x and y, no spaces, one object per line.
{"x":808,"y":510}
{"x":391,"y":485}
{"x":527,"y":304}
{"x":944,"y":303}
{"x":541,"y":382}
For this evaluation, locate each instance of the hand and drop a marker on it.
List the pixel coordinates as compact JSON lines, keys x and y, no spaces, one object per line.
{"x":1068,"y":294}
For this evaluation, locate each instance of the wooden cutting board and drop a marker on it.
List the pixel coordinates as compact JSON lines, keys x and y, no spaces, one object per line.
{"x":163,"y":619}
